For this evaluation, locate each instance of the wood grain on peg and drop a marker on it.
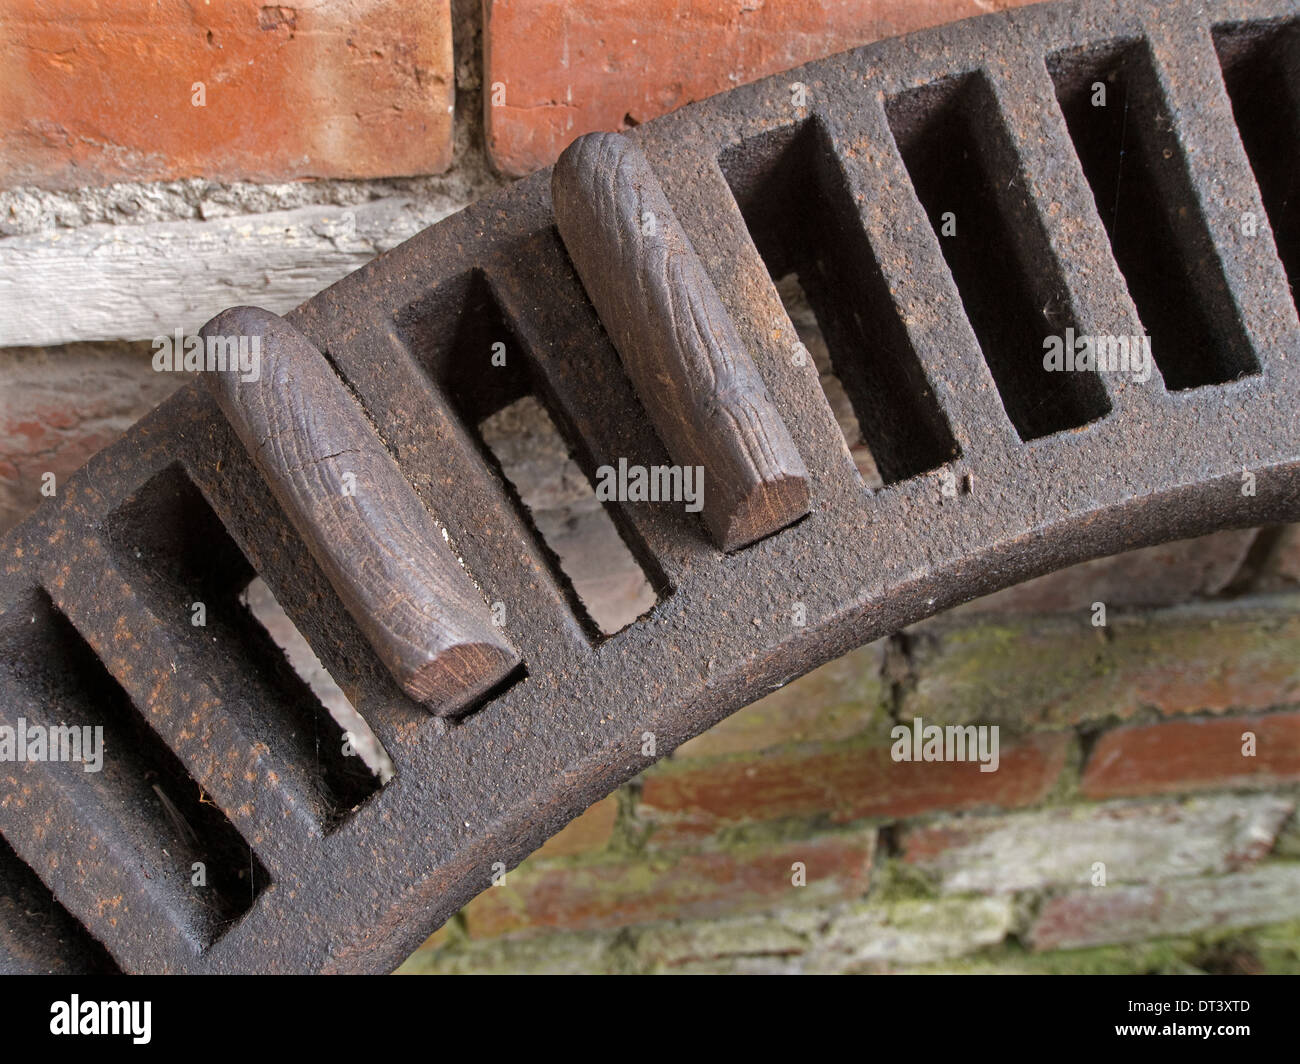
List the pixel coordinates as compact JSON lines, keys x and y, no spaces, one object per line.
{"x":359,"y":517}
{"x":677,"y":342}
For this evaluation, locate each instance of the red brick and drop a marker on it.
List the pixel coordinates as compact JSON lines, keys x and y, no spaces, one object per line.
{"x":573,"y":66}
{"x":625,"y":891}
{"x":92,"y":92}
{"x":1193,"y":754}
{"x":844,"y":785}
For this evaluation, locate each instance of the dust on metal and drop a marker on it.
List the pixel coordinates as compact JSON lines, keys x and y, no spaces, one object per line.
{"x":996,"y":467}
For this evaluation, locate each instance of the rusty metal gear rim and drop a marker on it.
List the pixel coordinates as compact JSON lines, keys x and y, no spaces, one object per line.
{"x":109,"y":567}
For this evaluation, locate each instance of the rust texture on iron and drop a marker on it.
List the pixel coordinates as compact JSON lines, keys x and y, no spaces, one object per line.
{"x":681,"y":351}
{"x":359,"y":516}
{"x":936,"y":330}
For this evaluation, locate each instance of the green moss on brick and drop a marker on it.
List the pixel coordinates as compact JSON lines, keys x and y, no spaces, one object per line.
{"x":894,"y":880}
{"x":1274,"y":949}
{"x":1050,"y":671}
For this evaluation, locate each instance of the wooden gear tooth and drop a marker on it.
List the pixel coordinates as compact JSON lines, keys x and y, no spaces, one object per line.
{"x":681,"y":351}
{"x":358,"y":515}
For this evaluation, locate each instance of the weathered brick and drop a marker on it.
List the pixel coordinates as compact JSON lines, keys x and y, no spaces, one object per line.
{"x":1102,"y":915}
{"x":570,"y":953}
{"x":1280,"y":570}
{"x":843,"y":784}
{"x":963,"y":937}
{"x":1137,"y":842}
{"x":1261,"y":949}
{"x":102,"y":93}
{"x":863,"y":935}
{"x":1185,"y":755}
{"x":1163,"y":575}
{"x":1051,"y":671}
{"x":589,"y":832}
{"x":1288,"y":839}
{"x":622,"y":891}
{"x":59,"y":406}
{"x":686,"y":943}
{"x":567,"y":67}
{"x":871,"y":936}
{"x":843,"y":699}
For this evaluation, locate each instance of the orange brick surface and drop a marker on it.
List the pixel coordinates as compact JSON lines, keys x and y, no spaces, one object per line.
{"x":844,"y":784}
{"x":620,"y":892}
{"x":93,"y":92}
{"x":1193,"y":754}
{"x":567,"y":67}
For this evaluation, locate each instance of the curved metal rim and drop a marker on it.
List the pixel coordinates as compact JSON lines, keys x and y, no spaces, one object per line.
{"x":494,"y":786}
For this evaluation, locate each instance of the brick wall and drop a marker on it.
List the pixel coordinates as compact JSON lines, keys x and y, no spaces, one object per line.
{"x":1127,"y":828}
{"x":161,"y":161}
